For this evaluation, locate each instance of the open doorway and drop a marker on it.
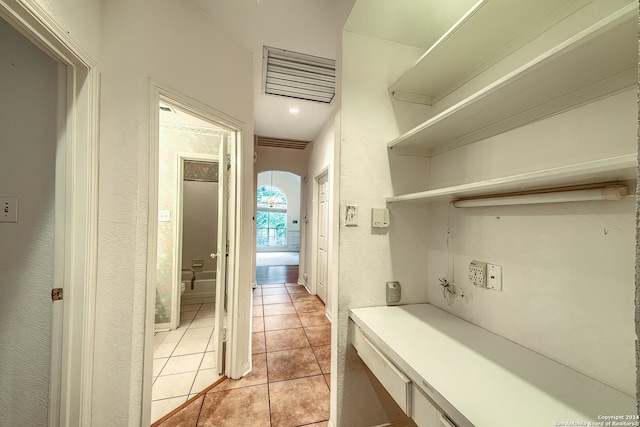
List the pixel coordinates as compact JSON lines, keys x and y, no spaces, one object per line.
{"x":191,"y":257}
{"x":48,"y":117}
{"x":278,"y":199}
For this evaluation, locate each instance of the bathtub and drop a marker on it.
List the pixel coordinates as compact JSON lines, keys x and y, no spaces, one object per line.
{"x":204,"y":289}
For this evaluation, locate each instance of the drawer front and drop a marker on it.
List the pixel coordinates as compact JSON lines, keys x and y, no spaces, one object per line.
{"x":397,"y":384}
{"x":424,"y":413}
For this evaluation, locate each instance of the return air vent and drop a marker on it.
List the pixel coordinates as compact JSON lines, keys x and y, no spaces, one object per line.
{"x":297,"y":75}
{"x":281,"y":143}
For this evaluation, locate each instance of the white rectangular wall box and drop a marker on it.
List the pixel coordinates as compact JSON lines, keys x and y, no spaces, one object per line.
{"x":379,"y":217}
{"x":8,"y":209}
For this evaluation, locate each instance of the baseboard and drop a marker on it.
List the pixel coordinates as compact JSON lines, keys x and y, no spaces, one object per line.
{"x":327,"y":313}
{"x":199,"y":298}
{"x":162,"y":327}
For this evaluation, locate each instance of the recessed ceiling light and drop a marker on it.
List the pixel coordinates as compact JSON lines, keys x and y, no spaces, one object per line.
{"x":294,"y":110}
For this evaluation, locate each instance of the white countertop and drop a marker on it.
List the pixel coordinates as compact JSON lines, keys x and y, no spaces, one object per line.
{"x":481,"y":379}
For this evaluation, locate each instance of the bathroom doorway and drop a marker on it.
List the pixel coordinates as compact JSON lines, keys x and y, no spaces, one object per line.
{"x":191,"y":257}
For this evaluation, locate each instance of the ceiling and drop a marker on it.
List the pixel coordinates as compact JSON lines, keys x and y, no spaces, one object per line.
{"x":306,"y":26}
{"x":314,"y":27}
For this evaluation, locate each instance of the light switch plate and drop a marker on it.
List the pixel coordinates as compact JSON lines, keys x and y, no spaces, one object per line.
{"x":8,"y":209}
{"x":351,"y":216}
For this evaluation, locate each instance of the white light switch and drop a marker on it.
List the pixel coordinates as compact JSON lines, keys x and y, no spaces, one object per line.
{"x":351,"y":216}
{"x":8,"y":209}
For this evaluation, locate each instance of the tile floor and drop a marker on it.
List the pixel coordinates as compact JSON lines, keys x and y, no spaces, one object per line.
{"x":289,"y":384}
{"x":183,"y":360}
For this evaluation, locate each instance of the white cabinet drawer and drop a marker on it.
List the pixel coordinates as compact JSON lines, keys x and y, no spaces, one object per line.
{"x":424,"y":413}
{"x":397,"y":384}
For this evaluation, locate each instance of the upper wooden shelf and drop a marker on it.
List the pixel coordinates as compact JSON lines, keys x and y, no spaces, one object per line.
{"x":621,"y":168}
{"x":598,"y":61}
{"x":489,"y":31}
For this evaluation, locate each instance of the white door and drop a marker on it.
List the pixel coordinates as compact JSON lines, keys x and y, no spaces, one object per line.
{"x":221,"y":254}
{"x":323,"y":237}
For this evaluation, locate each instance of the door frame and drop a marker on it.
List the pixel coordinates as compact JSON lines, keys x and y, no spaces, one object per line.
{"x":161,"y":92}
{"x":73,"y":322}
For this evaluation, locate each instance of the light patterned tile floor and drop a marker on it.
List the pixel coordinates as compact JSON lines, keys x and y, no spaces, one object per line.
{"x":183,"y":361}
{"x":289,"y":383}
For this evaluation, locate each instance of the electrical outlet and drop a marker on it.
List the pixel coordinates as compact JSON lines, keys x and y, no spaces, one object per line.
{"x":478,"y":273}
{"x":494,"y":277}
{"x":393,"y":293}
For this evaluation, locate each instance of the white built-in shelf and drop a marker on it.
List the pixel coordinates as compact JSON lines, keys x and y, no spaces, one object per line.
{"x":489,"y":31}
{"x":596,"y":62}
{"x":614,"y":169}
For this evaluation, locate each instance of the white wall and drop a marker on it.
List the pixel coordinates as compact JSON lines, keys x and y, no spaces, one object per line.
{"x":567,"y":268}
{"x":78,"y":18}
{"x":369,"y":258}
{"x":28,"y":114}
{"x":176,"y":44}
{"x":290,"y":184}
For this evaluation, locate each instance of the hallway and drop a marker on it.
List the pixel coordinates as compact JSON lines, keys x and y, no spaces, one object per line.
{"x":289,"y":384}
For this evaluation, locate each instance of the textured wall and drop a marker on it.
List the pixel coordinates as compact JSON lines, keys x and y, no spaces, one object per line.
{"x":178,"y":45}
{"x":561,"y":262}
{"x":28,"y":84}
{"x":370,"y":257}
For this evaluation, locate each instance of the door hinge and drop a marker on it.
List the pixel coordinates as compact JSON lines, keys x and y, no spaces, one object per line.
{"x":229,"y":160}
{"x":224,"y":335}
{"x":56,"y":294}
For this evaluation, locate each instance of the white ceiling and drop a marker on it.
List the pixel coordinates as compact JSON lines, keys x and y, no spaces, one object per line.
{"x":307,"y":26}
{"x":314,"y":27}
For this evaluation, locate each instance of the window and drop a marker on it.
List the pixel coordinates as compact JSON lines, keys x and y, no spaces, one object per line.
{"x":271,"y":221}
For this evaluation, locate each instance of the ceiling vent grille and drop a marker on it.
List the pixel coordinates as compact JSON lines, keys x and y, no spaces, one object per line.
{"x":281,"y":143}
{"x":297,"y":75}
